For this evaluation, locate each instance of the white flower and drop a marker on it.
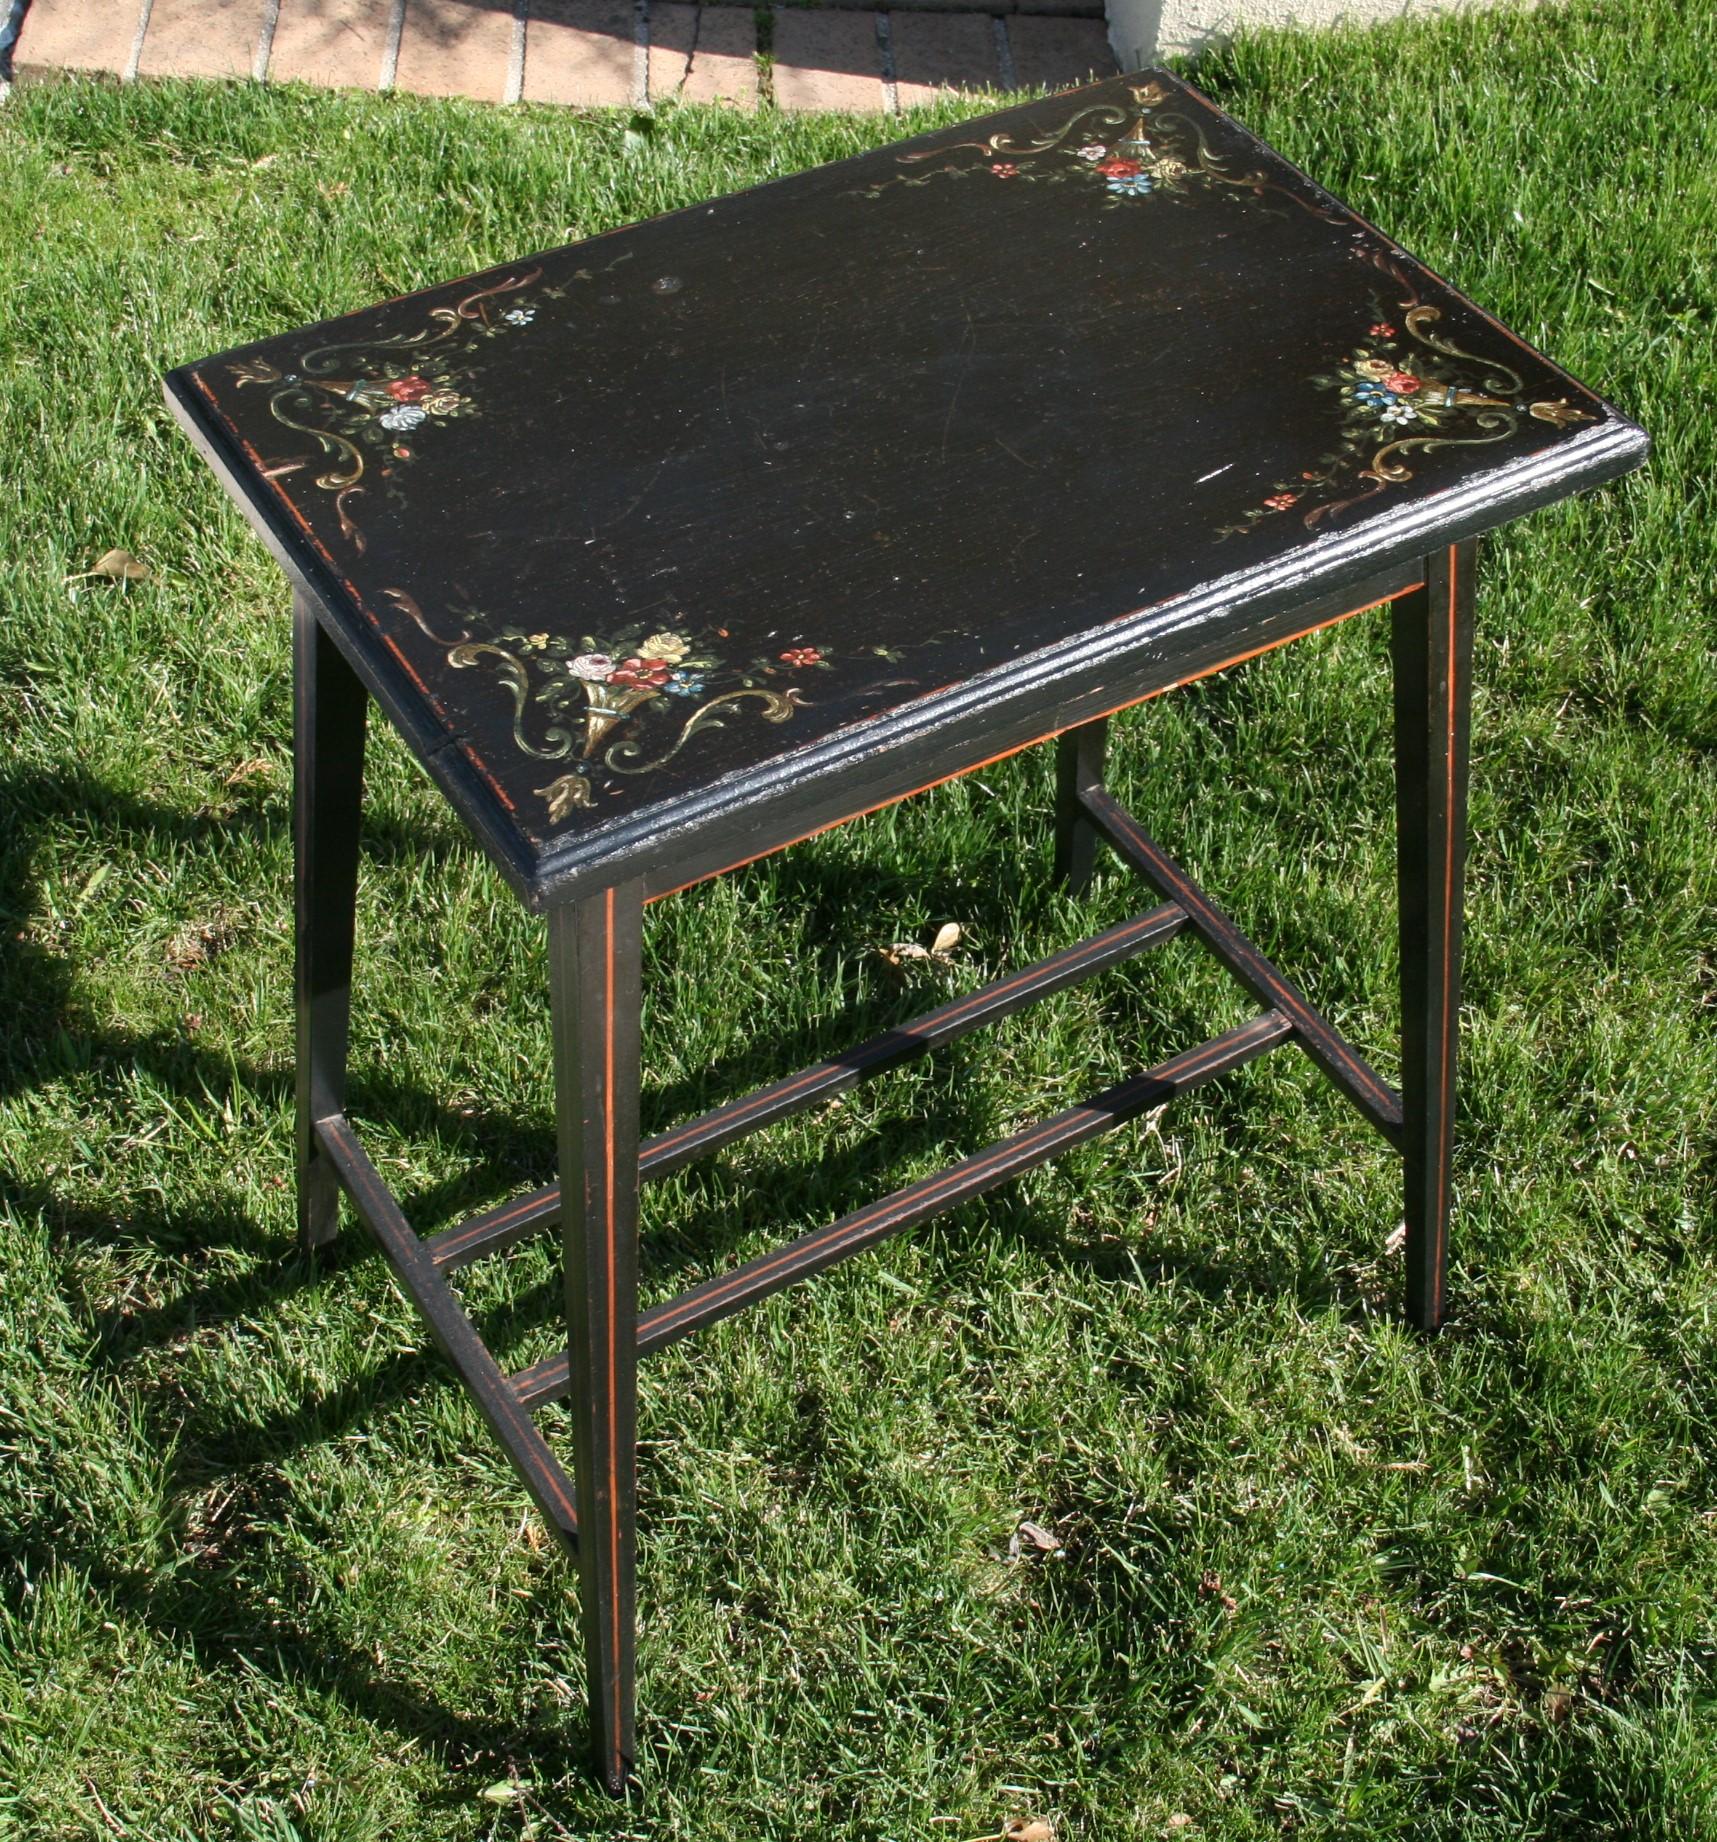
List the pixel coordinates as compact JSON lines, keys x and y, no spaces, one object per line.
{"x":592,"y":665}
{"x":1092,"y":152}
{"x":401,"y":417}
{"x":519,"y":316}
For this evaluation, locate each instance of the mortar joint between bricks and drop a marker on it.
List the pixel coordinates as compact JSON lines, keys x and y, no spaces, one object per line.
{"x":885,"y":57}
{"x":1005,"y":73}
{"x":515,"y":88}
{"x":265,"y":40}
{"x":388,"y":75}
{"x":640,"y":54}
{"x":763,"y":54}
{"x":135,"y":56}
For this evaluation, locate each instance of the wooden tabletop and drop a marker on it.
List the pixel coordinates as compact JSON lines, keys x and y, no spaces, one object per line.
{"x":701,"y":532}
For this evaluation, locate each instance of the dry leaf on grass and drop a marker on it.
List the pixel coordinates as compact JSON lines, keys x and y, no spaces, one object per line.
{"x":1035,"y":1536}
{"x":941,"y":949}
{"x":116,"y":566}
{"x":1023,"y":1829}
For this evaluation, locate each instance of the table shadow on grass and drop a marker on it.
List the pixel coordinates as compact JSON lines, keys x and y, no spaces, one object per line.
{"x":230,"y":1619}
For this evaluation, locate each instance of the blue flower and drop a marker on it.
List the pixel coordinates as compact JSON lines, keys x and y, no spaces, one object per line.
{"x":1134,"y":185}
{"x":684,"y":684}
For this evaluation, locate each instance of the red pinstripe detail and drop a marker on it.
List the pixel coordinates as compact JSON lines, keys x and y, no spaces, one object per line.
{"x":1199,"y":908}
{"x":1444,"y":1122}
{"x":941,"y":780}
{"x":959,"y":1009}
{"x":612,"y":1326}
{"x":455,"y":1240}
{"x":1199,"y":1061}
{"x":303,"y":523}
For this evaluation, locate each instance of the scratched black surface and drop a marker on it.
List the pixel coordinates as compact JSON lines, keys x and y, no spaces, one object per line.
{"x":916,"y":418}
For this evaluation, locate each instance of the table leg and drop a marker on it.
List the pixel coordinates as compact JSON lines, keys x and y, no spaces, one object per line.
{"x":1078,"y":768}
{"x":594,"y":979}
{"x":329,"y":708}
{"x":1432,"y":637}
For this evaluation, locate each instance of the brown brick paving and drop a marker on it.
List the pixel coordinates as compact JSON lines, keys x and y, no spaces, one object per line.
{"x":201,"y":38}
{"x":78,"y":35}
{"x":452,"y":48}
{"x":1054,"y":54}
{"x":703,"y":54}
{"x":580,"y":51}
{"x":827,"y":60}
{"x":934,"y":52}
{"x":335,"y":44}
{"x":583,"y":51}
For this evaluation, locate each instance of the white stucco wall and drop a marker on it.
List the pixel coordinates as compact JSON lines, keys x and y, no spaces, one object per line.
{"x":1146,"y":31}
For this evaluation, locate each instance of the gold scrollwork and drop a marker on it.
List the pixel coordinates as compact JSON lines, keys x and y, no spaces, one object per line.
{"x":564,"y":796}
{"x":778,"y":707}
{"x":517,"y":679}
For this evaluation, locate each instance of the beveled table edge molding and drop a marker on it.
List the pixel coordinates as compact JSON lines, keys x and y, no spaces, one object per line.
{"x":1032,"y":697}
{"x":873,"y":762}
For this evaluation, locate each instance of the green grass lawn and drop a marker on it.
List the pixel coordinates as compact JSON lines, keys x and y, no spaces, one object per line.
{"x":265,"y":1575}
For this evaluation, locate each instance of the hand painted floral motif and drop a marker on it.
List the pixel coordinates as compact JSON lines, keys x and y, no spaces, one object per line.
{"x":1403,"y":389}
{"x":360,"y":401}
{"x":625,"y":702}
{"x":1119,"y":152}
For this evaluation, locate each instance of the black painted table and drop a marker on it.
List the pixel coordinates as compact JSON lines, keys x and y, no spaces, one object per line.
{"x":668,"y":548}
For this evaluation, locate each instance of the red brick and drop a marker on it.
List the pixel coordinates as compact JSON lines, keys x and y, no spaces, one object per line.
{"x":955,"y":6}
{"x":78,"y":35}
{"x":703,"y":54}
{"x":1054,"y":54}
{"x":338,"y":44}
{"x":580,"y":51}
{"x":452,"y":48}
{"x":936,"y":52}
{"x":827,"y":60}
{"x":201,"y":38}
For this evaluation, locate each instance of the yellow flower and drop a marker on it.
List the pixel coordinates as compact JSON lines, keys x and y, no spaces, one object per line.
{"x":669,"y":646}
{"x":443,"y":402}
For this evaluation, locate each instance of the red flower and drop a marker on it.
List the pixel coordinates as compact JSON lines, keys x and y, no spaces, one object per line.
{"x":1118,"y":169}
{"x":1005,"y":171}
{"x":1280,"y":501}
{"x":407,"y":389}
{"x":640,"y":674}
{"x":802,"y":655}
{"x":1403,"y":383}
{"x":1383,"y":330}
{"x":401,"y":451}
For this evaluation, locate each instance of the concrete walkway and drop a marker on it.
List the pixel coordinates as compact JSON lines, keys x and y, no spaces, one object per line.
{"x":591,"y":52}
